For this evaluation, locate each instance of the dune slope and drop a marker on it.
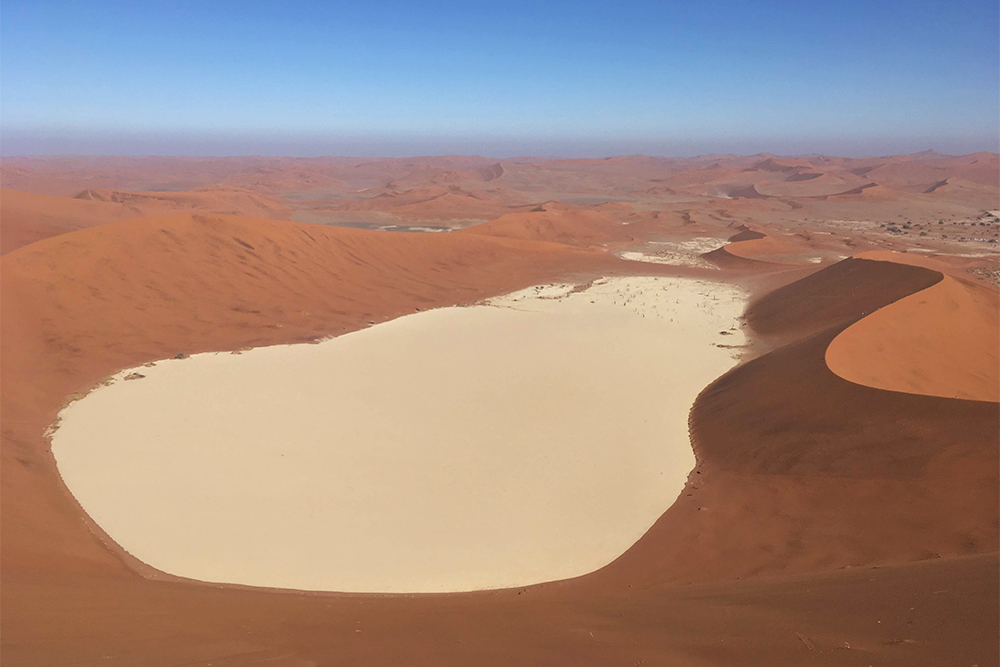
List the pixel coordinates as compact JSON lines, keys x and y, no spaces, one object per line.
{"x":849,"y":289}
{"x":802,"y":470}
{"x":557,"y":223}
{"x":26,"y":217}
{"x":942,"y":341}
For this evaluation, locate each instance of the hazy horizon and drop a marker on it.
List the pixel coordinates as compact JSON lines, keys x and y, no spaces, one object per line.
{"x":42,"y":144}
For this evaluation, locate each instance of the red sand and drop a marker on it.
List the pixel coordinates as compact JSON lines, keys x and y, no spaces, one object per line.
{"x":940,"y":342}
{"x":26,"y":217}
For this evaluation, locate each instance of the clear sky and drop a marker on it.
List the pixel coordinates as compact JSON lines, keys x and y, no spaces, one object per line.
{"x":500,"y":78}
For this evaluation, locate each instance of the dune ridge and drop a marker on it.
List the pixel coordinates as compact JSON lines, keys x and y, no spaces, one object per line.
{"x":941,"y":341}
{"x":557,"y":223}
{"x":26,"y":217}
{"x":817,"y":460}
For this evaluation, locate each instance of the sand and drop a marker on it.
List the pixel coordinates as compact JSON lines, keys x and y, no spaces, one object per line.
{"x":941,"y":341}
{"x":805,"y":481}
{"x":531,"y":438}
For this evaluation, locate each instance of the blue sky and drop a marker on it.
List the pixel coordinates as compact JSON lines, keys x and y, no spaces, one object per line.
{"x":498,"y":78}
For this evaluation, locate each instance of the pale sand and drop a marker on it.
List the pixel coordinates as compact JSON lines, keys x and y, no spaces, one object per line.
{"x":677,"y":253}
{"x":532,"y":438}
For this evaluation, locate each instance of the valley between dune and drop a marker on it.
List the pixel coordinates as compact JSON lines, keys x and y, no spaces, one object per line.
{"x":531,"y":437}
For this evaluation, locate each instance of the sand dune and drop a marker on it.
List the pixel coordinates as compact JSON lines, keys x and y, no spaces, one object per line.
{"x":431,"y":203}
{"x":559,"y":224}
{"x":867,"y":190}
{"x":847,"y":290}
{"x":920,"y":171}
{"x":791,"y":456}
{"x":26,"y":217}
{"x":751,"y":249}
{"x":965,"y":191}
{"x":211,"y":199}
{"x":941,"y":341}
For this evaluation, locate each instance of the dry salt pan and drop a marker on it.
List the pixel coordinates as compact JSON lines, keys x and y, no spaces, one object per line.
{"x":530,"y":438}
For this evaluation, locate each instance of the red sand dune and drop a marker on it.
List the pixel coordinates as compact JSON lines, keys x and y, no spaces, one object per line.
{"x":746,"y":234}
{"x":558,"y":223}
{"x":868,"y":190}
{"x":800,"y":469}
{"x":847,"y":290}
{"x":958,"y":189}
{"x":26,"y":217}
{"x":212,"y":199}
{"x":919,"y":171}
{"x":764,"y":248}
{"x":941,"y":341}
{"x":430,"y":203}
{"x":751,"y":249}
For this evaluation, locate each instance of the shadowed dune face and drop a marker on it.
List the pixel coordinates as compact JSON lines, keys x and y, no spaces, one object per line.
{"x":800,"y":469}
{"x":432,"y":203}
{"x":849,"y":289}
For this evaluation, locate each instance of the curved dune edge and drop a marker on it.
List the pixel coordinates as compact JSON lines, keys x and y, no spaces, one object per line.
{"x":764,"y":246}
{"x":815,"y":471}
{"x":751,"y":248}
{"x":942,"y":341}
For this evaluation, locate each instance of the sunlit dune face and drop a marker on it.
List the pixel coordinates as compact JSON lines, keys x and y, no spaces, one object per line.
{"x":532,"y":438}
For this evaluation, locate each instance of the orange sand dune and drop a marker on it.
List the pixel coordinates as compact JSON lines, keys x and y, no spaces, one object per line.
{"x":868,"y":190}
{"x":427,"y":175}
{"x":213,"y":199}
{"x":942,"y":341}
{"x":774,"y":178}
{"x":958,"y":189}
{"x":746,"y":234}
{"x":762,"y":248}
{"x":846,"y":291}
{"x":917,"y":174}
{"x":429,"y":203}
{"x":750,"y":249}
{"x":26,"y":217}
{"x":558,"y":223}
